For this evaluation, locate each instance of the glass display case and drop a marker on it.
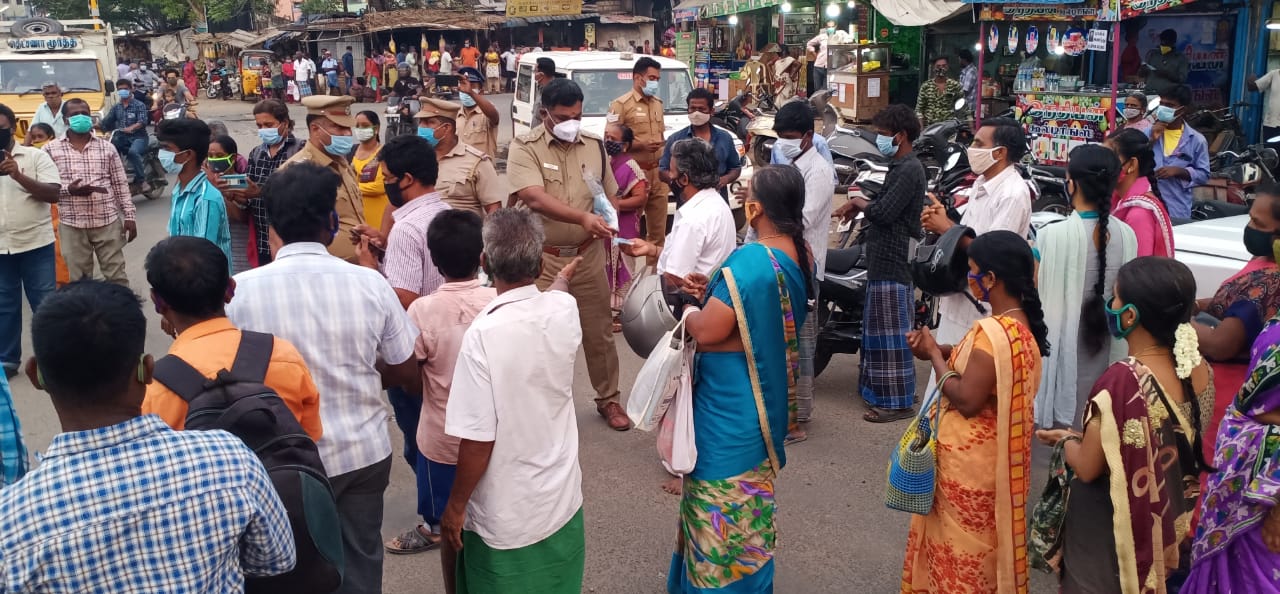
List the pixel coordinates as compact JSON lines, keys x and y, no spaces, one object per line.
{"x":859,"y":58}
{"x":859,"y":79}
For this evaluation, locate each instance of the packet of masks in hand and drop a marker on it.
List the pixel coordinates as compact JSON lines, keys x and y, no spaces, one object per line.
{"x":602,"y":205}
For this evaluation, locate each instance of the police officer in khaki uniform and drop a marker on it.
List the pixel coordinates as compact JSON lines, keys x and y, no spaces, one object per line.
{"x":641,"y":110}
{"x":467,"y":179}
{"x":478,"y":118}
{"x":329,"y":123}
{"x":546,"y":169}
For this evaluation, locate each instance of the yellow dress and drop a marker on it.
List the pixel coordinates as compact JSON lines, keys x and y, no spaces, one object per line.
{"x":369,"y":174}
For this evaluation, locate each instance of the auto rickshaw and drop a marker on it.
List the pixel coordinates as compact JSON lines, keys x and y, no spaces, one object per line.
{"x":251,"y":63}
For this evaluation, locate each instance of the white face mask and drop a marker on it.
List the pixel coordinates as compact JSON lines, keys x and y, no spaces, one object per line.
{"x":980,"y":159}
{"x":364,"y":134}
{"x":1132,"y":113}
{"x":567,"y":130}
{"x":698,"y":118}
{"x":789,"y":147}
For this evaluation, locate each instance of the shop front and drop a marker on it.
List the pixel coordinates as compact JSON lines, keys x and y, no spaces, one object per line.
{"x":721,"y":35}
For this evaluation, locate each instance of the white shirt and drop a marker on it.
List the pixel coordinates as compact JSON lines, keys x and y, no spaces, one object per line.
{"x":819,"y":188}
{"x":702,"y":236}
{"x":510,"y":58}
{"x":513,"y":386}
{"x":300,"y":71}
{"x":44,"y":115}
{"x":1268,"y":85}
{"x":446,"y":63}
{"x":1000,"y":203}
{"x":822,"y":40}
{"x":342,"y":318}
{"x":26,"y":223}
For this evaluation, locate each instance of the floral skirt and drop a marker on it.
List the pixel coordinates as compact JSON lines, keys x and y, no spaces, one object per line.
{"x":727,"y":534}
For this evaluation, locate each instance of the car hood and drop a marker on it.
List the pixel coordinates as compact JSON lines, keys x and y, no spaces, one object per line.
{"x":1215,"y":237}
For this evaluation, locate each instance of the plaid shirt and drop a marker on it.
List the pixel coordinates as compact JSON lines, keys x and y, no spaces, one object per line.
{"x":97,"y":165}
{"x":408,"y":263}
{"x":122,"y":116}
{"x":13,"y":453}
{"x":139,"y":507}
{"x":969,"y":84}
{"x":261,"y":166}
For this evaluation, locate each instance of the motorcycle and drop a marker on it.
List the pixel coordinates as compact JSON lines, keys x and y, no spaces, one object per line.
{"x":1242,"y":172}
{"x":760,"y":134}
{"x":732,"y":116}
{"x":154,"y":173}
{"x":1221,"y":130}
{"x":399,"y":115}
{"x":222,"y":85}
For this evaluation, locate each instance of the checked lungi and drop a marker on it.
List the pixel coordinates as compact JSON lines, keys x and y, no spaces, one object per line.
{"x":887,"y":378}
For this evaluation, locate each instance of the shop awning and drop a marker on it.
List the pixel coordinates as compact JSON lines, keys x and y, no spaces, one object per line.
{"x":429,"y":18}
{"x":625,"y":19}
{"x":533,"y":20}
{"x":918,"y":13}
{"x":688,"y":10}
{"x":723,"y":7}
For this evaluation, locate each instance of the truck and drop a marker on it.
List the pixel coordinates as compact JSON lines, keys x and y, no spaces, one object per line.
{"x":71,"y":53}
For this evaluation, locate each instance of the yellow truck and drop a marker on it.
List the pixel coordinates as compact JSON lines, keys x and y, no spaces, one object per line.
{"x":35,"y":51}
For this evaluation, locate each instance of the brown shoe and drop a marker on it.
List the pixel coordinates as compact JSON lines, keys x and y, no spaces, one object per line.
{"x":615,"y":416}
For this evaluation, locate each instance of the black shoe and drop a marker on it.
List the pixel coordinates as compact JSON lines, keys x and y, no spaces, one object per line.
{"x":10,"y":372}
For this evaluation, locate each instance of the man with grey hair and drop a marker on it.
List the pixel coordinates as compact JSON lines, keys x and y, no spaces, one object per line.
{"x":516,"y":364}
{"x":50,"y":112}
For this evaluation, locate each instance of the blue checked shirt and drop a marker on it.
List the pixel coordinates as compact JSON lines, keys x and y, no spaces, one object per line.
{"x":139,"y":507}
{"x":13,"y":453}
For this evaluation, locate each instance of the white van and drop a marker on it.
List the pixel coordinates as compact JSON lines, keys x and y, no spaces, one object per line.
{"x":605,"y":76}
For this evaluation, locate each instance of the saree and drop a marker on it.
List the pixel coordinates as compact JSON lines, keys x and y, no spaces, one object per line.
{"x":1253,"y":297}
{"x":1146,"y":215}
{"x":1228,"y":554}
{"x":1125,"y":533}
{"x":975,"y":538}
{"x":628,"y":174}
{"x":743,"y":406}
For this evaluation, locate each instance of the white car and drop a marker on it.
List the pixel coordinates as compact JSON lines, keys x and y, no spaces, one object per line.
{"x":1213,"y":250}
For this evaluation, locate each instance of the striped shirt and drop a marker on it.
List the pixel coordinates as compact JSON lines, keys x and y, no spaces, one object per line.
{"x":139,"y":507}
{"x":97,"y":165}
{"x":408,"y":264}
{"x":199,"y":211}
{"x":342,"y":318}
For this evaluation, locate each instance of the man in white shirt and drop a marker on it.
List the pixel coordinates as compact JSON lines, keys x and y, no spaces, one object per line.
{"x":510,"y":60}
{"x":1268,"y":85}
{"x":50,"y":112}
{"x":446,"y":60}
{"x":303,"y":69}
{"x":828,"y":36}
{"x":351,"y":329}
{"x":1000,"y":201}
{"x":515,"y":511}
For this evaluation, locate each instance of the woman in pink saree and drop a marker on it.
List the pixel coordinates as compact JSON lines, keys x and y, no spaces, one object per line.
{"x":1135,"y":201}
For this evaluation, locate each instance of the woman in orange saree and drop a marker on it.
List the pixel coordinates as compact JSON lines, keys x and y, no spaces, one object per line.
{"x":975,"y":537}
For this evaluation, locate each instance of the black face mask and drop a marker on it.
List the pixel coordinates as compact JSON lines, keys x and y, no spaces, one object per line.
{"x":6,"y":137}
{"x":394,"y":194}
{"x":220,"y":165}
{"x":1258,"y":242}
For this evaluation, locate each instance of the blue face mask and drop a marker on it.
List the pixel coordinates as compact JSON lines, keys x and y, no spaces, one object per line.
{"x":166,"y":158}
{"x":1114,"y":324}
{"x":886,"y":145}
{"x":429,"y":135}
{"x":650,"y":88}
{"x":339,"y":145}
{"x":269,"y":136}
{"x":467,"y":101}
{"x":977,"y":280}
{"x":1165,"y":114}
{"x":124,"y":94}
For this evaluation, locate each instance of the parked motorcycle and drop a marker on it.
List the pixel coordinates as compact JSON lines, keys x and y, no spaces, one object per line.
{"x":732,"y":116}
{"x":1221,"y":130}
{"x":1244,"y":171}
{"x":760,"y":132}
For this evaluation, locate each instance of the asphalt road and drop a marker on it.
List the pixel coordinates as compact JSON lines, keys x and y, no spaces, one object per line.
{"x":836,"y":536}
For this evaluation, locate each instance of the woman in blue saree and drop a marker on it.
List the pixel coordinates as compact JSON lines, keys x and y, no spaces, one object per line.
{"x":744,"y":395}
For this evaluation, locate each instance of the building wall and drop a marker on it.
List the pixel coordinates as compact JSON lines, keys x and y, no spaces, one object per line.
{"x":621,"y":34}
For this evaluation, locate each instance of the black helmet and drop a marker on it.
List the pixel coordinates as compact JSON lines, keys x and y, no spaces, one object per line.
{"x":943,"y":266}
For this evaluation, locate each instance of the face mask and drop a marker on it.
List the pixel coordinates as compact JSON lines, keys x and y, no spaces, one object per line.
{"x":1114,"y":325}
{"x":467,"y":100}
{"x":269,"y":136}
{"x":167,"y":161}
{"x":339,"y":144}
{"x":940,"y":71}
{"x":124,"y":94}
{"x":80,"y":123}
{"x":980,"y":159}
{"x":1258,"y":242}
{"x":1164,"y":49}
{"x":831,"y":30}
{"x":6,"y":138}
{"x":789,"y":147}
{"x":613,"y":147}
{"x":39,"y":144}
{"x":886,"y":145}
{"x":394,"y":194}
{"x":1166,"y":114}
{"x":173,"y":80}
{"x":976,"y":279}
{"x":1132,"y":113}
{"x":144,"y":68}
{"x":219,"y":164}
{"x":429,"y":135}
{"x":364,"y":134}
{"x":698,"y":118}
{"x":567,"y":130}
{"x":650,"y":88}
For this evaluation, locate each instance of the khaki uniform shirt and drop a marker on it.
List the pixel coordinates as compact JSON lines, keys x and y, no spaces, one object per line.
{"x":468,"y":180}
{"x":350,"y":204}
{"x":538,"y":159}
{"x":475,"y":129}
{"x":644,"y":116}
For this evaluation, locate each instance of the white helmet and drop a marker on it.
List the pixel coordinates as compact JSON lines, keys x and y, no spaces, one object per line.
{"x":645,"y":316}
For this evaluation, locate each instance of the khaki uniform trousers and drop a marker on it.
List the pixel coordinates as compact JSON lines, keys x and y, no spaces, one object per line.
{"x":81,"y":246}
{"x":590,"y":287}
{"x":655,"y":210}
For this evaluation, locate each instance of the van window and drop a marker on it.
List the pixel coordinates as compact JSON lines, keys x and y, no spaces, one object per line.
{"x":524,"y":83}
{"x":607,"y":85}
{"x":26,"y":76}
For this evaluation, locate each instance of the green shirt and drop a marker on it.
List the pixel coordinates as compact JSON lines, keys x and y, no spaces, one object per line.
{"x":933,"y":106}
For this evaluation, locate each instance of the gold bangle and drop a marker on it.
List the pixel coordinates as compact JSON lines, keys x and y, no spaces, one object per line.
{"x":942,"y":381}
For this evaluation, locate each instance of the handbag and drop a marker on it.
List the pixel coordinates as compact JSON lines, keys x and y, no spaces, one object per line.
{"x":913,"y":465}
{"x":676,"y":442}
{"x":1044,"y":543}
{"x":658,"y":380}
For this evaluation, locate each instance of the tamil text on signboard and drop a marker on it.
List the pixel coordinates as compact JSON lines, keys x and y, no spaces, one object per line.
{"x":1059,"y":123}
{"x":42,"y":44}
{"x":537,"y":8}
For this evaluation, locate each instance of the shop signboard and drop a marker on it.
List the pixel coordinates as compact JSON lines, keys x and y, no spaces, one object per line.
{"x":686,"y":42}
{"x":1133,"y":8}
{"x":1084,"y":11}
{"x":1061,"y":122}
{"x":538,"y":8}
{"x":724,"y":7}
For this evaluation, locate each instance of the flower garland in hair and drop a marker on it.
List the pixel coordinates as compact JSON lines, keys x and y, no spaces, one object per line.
{"x":1186,"y":350}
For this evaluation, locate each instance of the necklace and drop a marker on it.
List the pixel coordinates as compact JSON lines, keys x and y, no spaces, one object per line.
{"x":1012,"y":309}
{"x":1152,"y":350}
{"x":774,"y":236}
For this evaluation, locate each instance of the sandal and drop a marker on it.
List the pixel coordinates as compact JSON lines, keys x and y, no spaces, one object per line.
{"x":881,"y":415}
{"x":794,"y":438}
{"x":411,"y":542}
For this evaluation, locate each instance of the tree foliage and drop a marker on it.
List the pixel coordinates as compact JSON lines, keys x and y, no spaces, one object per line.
{"x":320,"y":6}
{"x":154,"y":15}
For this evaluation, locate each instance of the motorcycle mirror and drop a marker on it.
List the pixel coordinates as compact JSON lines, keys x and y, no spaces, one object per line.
{"x":959,"y":104}
{"x":952,"y":161}
{"x":1153,"y":101}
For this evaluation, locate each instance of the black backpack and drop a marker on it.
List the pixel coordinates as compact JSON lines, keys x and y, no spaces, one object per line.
{"x":238,"y":402}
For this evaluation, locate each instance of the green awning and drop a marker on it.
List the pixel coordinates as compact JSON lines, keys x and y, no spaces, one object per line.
{"x":724,"y":7}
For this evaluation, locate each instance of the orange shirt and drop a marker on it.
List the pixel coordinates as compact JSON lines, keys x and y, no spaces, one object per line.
{"x":470,"y":56}
{"x":210,"y":347}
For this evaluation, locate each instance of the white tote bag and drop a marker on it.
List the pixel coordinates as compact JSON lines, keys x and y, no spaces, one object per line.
{"x":656,"y":384}
{"x":676,"y":443}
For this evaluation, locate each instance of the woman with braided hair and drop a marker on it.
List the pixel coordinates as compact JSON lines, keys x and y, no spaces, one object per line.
{"x":1079,"y":260}
{"x":1137,"y":200}
{"x":1138,"y":460}
{"x":975,"y":537}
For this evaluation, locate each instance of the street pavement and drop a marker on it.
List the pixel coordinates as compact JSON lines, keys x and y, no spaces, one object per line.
{"x":835,"y":534}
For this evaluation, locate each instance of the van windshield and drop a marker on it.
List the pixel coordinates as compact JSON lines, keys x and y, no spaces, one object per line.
{"x":601,"y":87}
{"x":27,"y":76}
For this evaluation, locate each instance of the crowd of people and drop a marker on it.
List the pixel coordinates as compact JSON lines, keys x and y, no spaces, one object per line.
{"x":402,"y":263}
